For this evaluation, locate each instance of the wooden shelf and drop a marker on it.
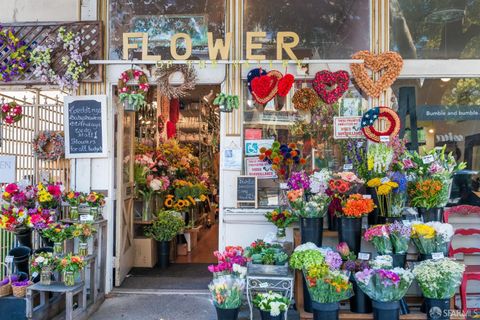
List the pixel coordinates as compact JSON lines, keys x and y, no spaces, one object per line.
{"x":347,"y":315}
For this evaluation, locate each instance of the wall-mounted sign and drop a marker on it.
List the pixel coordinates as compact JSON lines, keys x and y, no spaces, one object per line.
{"x":85,"y":120}
{"x":247,"y":190}
{"x":449,"y":137}
{"x":252,"y":147}
{"x":260,"y":169}
{"x":8,"y":168}
{"x":447,"y":113}
{"x":347,"y":127}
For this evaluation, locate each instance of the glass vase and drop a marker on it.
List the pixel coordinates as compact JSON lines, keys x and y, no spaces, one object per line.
{"x":69,"y":278}
{"x":282,"y":194}
{"x":147,"y":209}
{"x":83,"y":249}
{"x":281,"y":233}
{"x":45,"y":276}
{"x":58,"y":249}
{"x":94,"y":212}
{"x":74,"y":215}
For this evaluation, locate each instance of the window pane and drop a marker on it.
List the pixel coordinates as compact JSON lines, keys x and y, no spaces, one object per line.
{"x":163,"y":18}
{"x":435,"y":29}
{"x":327,"y":29}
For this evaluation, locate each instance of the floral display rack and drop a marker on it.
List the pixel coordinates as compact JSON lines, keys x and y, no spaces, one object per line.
{"x":38,"y":33}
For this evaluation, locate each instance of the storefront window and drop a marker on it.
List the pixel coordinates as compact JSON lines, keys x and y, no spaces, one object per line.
{"x":163,"y":18}
{"x":441,"y":29}
{"x":327,"y":29}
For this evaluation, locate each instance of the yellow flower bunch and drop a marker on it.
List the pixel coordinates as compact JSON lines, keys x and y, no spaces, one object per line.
{"x":317,"y":271}
{"x":423,"y":230}
{"x":374,"y":183}
{"x":382,"y":187}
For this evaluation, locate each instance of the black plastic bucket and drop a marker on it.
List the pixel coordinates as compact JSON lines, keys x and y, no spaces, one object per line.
{"x":24,"y":238}
{"x":227,"y":314}
{"x":265,"y":315}
{"x":332,"y":222}
{"x":386,"y":310}
{"x":20,"y":258}
{"x":399,"y":260}
{"x":307,"y":300}
{"x":423,"y":257}
{"x":325,"y":311}
{"x":163,"y":252}
{"x":311,"y":230}
{"x":359,"y":302}
{"x":350,"y":231}
{"x":437,"y":309}
{"x":432,"y":214}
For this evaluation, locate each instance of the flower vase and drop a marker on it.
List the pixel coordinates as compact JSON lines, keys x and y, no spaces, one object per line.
{"x":58,"y":249}
{"x":74,"y":215}
{"x":325,"y":311}
{"x":45,"y":276}
{"x":430,"y":215}
{"x":147,"y":209}
{"x":83,"y":249}
{"x":359,"y":302}
{"x":281,"y":234}
{"x":386,"y":310}
{"x":24,"y":237}
{"x":311,"y":230}
{"x":69,"y":278}
{"x":437,"y":309}
{"x":95,"y":212}
{"x":227,"y":314}
{"x":350,"y":231}
{"x":265,"y":315}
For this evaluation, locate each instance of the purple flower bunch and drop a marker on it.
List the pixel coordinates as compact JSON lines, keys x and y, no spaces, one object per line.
{"x":299,"y":180}
{"x":16,"y":62}
{"x":388,"y":277}
{"x":333,"y":260}
{"x":384,"y":284}
{"x":400,"y":236}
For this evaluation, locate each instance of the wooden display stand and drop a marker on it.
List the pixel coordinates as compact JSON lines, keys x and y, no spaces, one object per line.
{"x":346,"y":314}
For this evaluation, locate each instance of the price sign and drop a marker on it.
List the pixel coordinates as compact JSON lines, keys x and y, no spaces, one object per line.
{"x":347,"y":166}
{"x":428,"y":159}
{"x":384,"y":180}
{"x":385,"y":139}
{"x":86,"y":218}
{"x":9,"y":259}
{"x":437,"y":255}
{"x":367,"y":196}
{"x":365,"y":256}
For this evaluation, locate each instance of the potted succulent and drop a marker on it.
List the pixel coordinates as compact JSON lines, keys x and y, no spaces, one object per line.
{"x":272,"y":305}
{"x":226,"y":102}
{"x":266,"y":259}
{"x":227,"y":294}
{"x":439,"y":280}
{"x":165,"y":227}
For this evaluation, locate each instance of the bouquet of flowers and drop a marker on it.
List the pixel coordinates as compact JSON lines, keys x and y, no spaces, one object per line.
{"x":389,"y":199}
{"x":339,"y":187}
{"x":439,"y":279}
{"x":20,"y":195}
{"x":230,"y":261}
{"x":350,"y":262}
{"x":40,"y":219}
{"x":284,"y":158}
{"x":70,"y":263}
{"x":83,"y":231}
{"x":382,"y":262}
{"x":314,"y":207}
{"x":319,"y":181}
{"x":261,"y":252}
{"x":15,"y":219}
{"x":378,"y":235}
{"x":384,"y":285}
{"x":227,"y":292}
{"x":74,"y":198}
{"x":356,"y":206}
{"x":327,"y":286}
{"x":400,"y":236}
{"x":43,"y":260}
{"x":428,"y":193}
{"x":299,"y":180}
{"x":58,"y":232}
{"x":95,"y":199}
{"x":306,"y":255}
{"x":356,"y":154}
{"x":281,"y":218}
{"x":432,"y":237}
{"x":271,"y":302}
{"x":49,"y":196}
{"x":379,"y":158}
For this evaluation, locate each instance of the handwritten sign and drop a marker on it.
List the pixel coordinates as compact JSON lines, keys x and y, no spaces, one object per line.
{"x":437,"y":255}
{"x":247,"y":190}
{"x":7,"y":169}
{"x":260,"y":169}
{"x":347,"y":127}
{"x":85,"y":119}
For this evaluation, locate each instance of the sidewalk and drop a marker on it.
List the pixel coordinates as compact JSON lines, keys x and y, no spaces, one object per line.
{"x":164,"y":307}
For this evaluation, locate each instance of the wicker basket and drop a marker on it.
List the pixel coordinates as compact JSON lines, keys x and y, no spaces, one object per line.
{"x":6,"y":290}
{"x":20,"y":292}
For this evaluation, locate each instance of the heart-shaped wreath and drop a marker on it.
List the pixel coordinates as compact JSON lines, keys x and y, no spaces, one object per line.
{"x":11,"y":112}
{"x":390,"y":62}
{"x":330,"y":86}
{"x":371,"y":116}
{"x":264,"y":87}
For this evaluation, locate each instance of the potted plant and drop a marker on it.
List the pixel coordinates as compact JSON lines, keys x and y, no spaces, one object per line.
{"x":359,"y":302}
{"x":386,"y":287}
{"x":439,"y":280}
{"x":266,"y":259}
{"x":431,"y":237}
{"x":49,"y":197}
{"x":350,"y":223}
{"x":17,"y":220}
{"x":165,"y":227}
{"x":74,"y":199}
{"x":226,"y":102}
{"x":83,"y":231}
{"x":95,"y":201}
{"x":70,"y":266}
{"x":272,"y":305}
{"x":230,"y":262}
{"x":281,"y":218}
{"x":227,"y":294}
{"x":58,"y":233}
{"x":43,"y":264}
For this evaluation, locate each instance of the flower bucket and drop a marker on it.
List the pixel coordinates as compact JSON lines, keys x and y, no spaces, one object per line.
{"x":432,"y":214}
{"x":359,"y":302}
{"x":307,"y":299}
{"x":311,"y":230}
{"x":437,"y":309}
{"x":69,"y":278}
{"x":332,"y":222}
{"x":265,"y":315}
{"x":386,"y":310}
{"x":325,"y":311}
{"x":399,"y":260}
{"x":350,"y":231}
{"x":227,"y":314}
{"x":24,"y":237}
{"x":21,"y":256}
{"x":163,"y":253}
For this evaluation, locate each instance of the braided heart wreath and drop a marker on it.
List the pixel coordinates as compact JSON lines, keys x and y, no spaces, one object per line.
{"x":266,"y":86}
{"x":371,"y":116}
{"x":11,"y":112}
{"x":330,"y":86}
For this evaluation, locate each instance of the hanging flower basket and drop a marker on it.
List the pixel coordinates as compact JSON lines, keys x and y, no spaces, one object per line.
{"x":133,"y":96}
{"x":226,"y":102}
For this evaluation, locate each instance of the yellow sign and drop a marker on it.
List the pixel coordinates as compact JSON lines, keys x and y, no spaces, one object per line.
{"x":215,"y":46}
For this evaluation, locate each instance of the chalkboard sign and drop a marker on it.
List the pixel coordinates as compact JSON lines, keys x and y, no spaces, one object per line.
{"x":85,"y":120}
{"x":247,"y":190}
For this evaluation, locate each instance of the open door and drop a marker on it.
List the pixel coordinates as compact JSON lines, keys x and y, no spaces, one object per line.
{"x":124,"y":249}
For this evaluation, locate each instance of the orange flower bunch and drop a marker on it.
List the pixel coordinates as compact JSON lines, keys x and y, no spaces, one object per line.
{"x":357,"y":206}
{"x":294,"y":195}
{"x":427,"y":193}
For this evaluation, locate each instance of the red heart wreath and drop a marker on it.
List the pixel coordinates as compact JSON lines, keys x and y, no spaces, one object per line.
{"x":371,"y":116}
{"x":264,"y":88}
{"x":285,"y":84}
{"x":324,"y":79}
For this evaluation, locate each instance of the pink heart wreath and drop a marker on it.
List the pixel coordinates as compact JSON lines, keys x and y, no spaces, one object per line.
{"x":338,"y":80}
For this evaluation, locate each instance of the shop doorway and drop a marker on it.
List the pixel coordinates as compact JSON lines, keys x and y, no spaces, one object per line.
{"x":182,"y":137}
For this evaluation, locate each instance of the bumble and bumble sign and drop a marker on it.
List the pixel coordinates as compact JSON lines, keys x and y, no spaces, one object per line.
{"x":286,"y":41}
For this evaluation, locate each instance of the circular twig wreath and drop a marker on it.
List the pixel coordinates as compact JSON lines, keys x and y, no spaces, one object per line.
{"x":371,"y":116}
{"x":173,"y":92}
{"x":49,"y":145}
{"x":11,"y":112}
{"x":305,"y":99}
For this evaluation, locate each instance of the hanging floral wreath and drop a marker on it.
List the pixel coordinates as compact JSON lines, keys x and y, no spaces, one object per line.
{"x":331,"y":86}
{"x":174,"y":92}
{"x":16,"y":61}
{"x":305,"y":99}
{"x":371,"y":116}
{"x":133,"y":94}
{"x":11,"y":112}
{"x":67,"y":45}
{"x":49,"y":145}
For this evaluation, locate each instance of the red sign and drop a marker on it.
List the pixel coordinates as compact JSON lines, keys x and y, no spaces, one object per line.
{"x":253,"y":134}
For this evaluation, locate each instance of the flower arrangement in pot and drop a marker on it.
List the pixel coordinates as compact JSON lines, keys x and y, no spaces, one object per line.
{"x":272,"y":305}
{"x":43,"y":264}
{"x":282,"y":219}
{"x":74,"y":200}
{"x":230,"y":262}
{"x":386,"y":287}
{"x":83,"y":231}
{"x":49,"y":197}
{"x":309,"y":203}
{"x":70,"y":266}
{"x":227,"y":295}
{"x":165,"y":227}
{"x":18,"y":221}
{"x":432,"y":237}
{"x":266,"y":258}
{"x":354,"y":208}
{"x":439,"y":280}
{"x":95,"y":201}
{"x":58,"y":233}
{"x":133,"y":96}
{"x":20,"y":195}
